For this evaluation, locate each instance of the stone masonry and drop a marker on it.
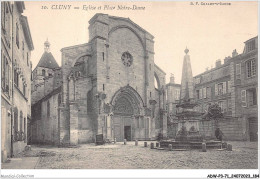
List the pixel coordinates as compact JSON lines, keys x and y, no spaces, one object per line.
{"x":107,"y":87}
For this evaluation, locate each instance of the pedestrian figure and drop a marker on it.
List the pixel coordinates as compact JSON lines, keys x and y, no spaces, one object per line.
{"x":219,"y":134}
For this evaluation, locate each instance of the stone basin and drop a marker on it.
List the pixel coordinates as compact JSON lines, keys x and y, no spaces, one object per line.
{"x":190,"y":145}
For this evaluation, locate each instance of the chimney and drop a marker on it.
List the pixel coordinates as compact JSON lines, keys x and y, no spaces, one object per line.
{"x":172,"y":79}
{"x":234,"y":53}
{"x":218,"y":63}
{"x":226,"y":59}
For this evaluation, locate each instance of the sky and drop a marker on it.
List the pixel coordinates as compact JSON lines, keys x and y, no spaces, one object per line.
{"x":210,"y":32}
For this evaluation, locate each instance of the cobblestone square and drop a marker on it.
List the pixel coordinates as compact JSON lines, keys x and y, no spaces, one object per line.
{"x":119,"y":156}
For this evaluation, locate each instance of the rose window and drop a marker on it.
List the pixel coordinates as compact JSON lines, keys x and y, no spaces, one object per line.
{"x":127,"y":59}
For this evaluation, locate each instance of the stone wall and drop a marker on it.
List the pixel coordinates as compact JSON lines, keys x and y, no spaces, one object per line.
{"x":111,"y":37}
{"x":5,"y":128}
{"x":74,"y":115}
{"x":85,"y":122}
{"x":38,"y":92}
{"x":232,"y":128}
{"x":243,"y":82}
{"x":45,"y":128}
{"x":21,"y":100}
{"x":123,"y":40}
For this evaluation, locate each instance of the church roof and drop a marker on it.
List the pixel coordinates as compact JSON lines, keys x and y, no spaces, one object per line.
{"x":47,"y":61}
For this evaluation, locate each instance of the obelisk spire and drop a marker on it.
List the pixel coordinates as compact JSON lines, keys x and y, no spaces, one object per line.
{"x":187,"y":78}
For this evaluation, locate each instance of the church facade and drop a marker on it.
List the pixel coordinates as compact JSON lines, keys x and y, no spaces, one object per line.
{"x":106,"y":87}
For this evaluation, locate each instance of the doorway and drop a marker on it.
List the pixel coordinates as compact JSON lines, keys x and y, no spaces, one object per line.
{"x":253,"y":129}
{"x":127,"y":133}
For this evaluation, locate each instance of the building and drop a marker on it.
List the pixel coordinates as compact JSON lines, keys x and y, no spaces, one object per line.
{"x":107,"y":88}
{"x":172,"y":96}
{"x":16,"y":47}
{"x":46,"y":97}
{"x":215,"y":86}
{"x":233,"y":86}
{"x":172,"y":99}
{"x":246,"y":86}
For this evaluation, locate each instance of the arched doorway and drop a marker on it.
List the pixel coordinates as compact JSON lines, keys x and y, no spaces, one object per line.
{"x":127,"y":109}
{"x":123,"y":113}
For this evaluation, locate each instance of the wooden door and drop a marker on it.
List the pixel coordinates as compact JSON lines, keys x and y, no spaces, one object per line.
{"x":253,"y":129}
{"x":118,"y":134}
{"x":127,"y":133}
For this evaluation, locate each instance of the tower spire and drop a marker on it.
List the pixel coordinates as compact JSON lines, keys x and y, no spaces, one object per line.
{"x":47,"y":46}
{"x":172,"y":79}
{"x":186,"y":50}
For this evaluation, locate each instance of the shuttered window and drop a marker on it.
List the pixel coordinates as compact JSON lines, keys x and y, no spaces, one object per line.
{"x":3,"y":71}
{"x":15,"y":119}
{"x":223,"y":106}
{"x":200,"y":95}
{"x":229,"y":86}
{"x":6,"y":75}
{"x":243,"y":98}
{"x":21,"y":121}
{"x":252,"y":97}
{"x":216,"y":89}
{"x":224,"y":87}
{"x":251,"y":68}
{"x":220,"y":88}
{"x":238,"y":70}
{"x":204,"y":93}
{"x":16,"y":77}
{"x":208,"y":92}
{"x":17,"y":35}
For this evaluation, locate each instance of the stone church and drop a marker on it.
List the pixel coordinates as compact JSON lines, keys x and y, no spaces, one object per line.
{"x":106,"y":86}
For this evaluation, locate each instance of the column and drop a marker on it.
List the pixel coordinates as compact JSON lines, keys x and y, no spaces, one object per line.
{"x":73,"y":123}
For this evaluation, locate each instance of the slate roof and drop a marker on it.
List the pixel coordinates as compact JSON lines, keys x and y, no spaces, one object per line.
{"x":47,"y":61}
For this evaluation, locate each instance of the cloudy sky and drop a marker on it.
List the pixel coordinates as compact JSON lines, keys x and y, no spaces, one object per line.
{"x":210,"y":32}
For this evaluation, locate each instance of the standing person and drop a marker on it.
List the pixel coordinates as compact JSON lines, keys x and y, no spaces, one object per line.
{"x":219,"y":134}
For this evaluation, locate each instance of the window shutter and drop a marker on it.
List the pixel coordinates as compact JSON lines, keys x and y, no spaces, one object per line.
{"x":204,"y":93}
{"x":216,"y":89}
{"x":225,"y":106}
{"x":224,"y":87}
{"x":206,"y":108}
{"x":243,"y":98}
{"x":10,"y":80}
{"x":208,"y":92}
{"x":200,"y":95}
{"x":229,"y":86}
{"x":3,"y":70}
{"x":7,"y":75}
{"x":238,"y":70}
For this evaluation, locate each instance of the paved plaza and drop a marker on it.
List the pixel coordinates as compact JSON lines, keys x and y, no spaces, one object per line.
{"x":119,"y":156}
